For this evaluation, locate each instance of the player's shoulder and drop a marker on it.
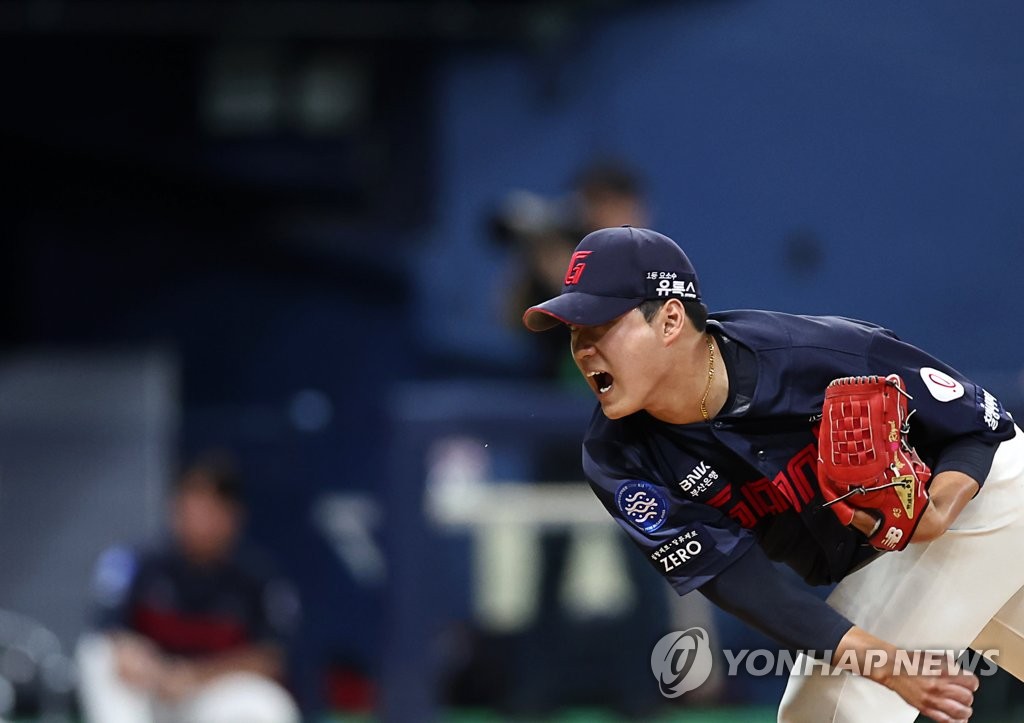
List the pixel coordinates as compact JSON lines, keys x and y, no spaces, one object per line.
{"x":255,"y":564}
{"x":122,"y":566}
{"x":140,"y":558}
{"x":762,"y":329}
{"x":614,"y":447}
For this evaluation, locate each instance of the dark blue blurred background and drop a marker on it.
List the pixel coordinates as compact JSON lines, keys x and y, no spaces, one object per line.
{"x":291,"y":200}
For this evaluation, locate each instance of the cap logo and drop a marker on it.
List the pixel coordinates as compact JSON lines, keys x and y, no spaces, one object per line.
{"x":576,"y":266}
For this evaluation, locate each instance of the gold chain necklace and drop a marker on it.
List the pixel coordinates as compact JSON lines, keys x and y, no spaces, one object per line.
{"x":711,"y":375}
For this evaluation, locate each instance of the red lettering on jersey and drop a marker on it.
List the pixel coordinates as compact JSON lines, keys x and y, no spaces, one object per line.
{"x":721,"y":498}
{"x":576,"y":266}
{"x":792,"y":488}
{"x":801,"y":469}
{"x":744,"y":515}
{"x":785,"y":488}
{"x":764,"y":497}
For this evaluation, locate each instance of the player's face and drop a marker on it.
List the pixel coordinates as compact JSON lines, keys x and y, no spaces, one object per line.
{"x":622,"y":362}
{"x":205,"y":524}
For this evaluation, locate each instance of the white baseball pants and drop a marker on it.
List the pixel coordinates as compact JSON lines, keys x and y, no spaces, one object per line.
{"x":963,"y":589}
{"x":234,"y":698}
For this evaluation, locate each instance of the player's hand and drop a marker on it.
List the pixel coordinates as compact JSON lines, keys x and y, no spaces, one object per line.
{"x":945,"y":697}
{"x":138,"y":661}
{"x":931,"y":681}
{"x":179,"y":680}
{"x":864,"y":522}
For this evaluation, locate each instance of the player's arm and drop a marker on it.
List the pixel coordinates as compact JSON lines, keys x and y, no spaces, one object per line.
{"x":181,"y":677}
{"x":276,"y":618}
{"x":943,"y":696}
{"x":120,"y":573}
{"x":950,"y":492}
{"x":263,"y":659}
{"x":871,"y":474}
{"x":959,"y":471}
{"x":753,"y":590}
{"x":811,"y":625}
{"x":137,"y":660}
{"x":959,"y":468}
{"x":957,"y":425}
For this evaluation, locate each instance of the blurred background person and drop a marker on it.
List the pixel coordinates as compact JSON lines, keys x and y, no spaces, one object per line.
{"x":607,"y":193}
{"x":541,"y":233}
{"x":195,"y":630}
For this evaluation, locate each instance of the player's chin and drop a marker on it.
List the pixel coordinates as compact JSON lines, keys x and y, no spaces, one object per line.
{"x":616,"y":408}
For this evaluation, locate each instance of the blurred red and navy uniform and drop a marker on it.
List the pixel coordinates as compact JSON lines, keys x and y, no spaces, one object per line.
{"x":190,"y":610}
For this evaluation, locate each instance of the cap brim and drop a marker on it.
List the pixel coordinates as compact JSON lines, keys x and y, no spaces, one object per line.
{"x":577,"y":309}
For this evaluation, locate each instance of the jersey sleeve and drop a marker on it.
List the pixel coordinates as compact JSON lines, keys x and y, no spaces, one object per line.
{"x":754,"y":591}
{"x":688,"y":543}
{"x":950,"y":411}
{"x":115,"y":579}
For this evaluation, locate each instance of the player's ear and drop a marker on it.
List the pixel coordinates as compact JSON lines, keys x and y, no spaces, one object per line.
{"x":671,"y":320}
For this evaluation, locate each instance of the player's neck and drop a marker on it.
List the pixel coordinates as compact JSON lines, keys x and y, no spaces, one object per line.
{"x":703,"y":385}
{"x":718,"y":392}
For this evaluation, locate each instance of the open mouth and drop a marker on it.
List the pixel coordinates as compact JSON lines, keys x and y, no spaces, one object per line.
{"x":603,"y":381}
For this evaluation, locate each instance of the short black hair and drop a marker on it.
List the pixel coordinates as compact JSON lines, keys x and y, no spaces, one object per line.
{"x":216,"y":471}
{"x":696,"y":312}
{"x":609,"y":175}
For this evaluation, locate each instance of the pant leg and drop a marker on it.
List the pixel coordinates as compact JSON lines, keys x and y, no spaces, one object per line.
{"x":1005,"y":634}
{"x":240,"y":698}
{"x":936,"y":595}
{"x":105,"y":698}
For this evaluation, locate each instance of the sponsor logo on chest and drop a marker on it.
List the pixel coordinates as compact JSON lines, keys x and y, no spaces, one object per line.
{"x":699,"y":480}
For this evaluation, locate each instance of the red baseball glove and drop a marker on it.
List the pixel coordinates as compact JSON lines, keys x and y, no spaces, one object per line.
{"x":865,"y":461}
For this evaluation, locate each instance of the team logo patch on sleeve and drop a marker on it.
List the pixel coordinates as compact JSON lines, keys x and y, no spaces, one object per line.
{"x":940,"y":385}
{"x":642,"y":504}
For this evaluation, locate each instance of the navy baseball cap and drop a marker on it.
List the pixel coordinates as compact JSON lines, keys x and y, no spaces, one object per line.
{"x":613,"y":271}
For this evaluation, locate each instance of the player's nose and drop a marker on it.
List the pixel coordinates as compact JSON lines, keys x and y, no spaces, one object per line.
{"x":582,"y":344}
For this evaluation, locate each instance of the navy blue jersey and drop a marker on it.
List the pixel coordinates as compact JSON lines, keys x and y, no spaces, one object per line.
{"x":194,"y":611}
{"x":695,"y":497}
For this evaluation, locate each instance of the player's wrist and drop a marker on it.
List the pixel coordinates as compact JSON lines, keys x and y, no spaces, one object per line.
{"x":933,"y":524}
{"x":950,"y":492}
{"x":883,"y":674}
